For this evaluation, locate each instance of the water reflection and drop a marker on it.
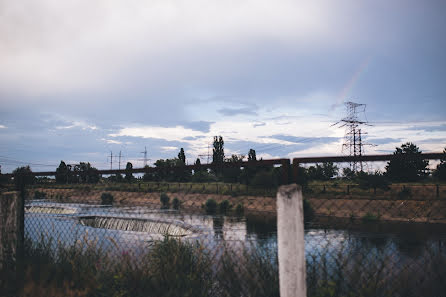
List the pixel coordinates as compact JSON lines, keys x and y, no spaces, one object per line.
{"x":321,"y":237}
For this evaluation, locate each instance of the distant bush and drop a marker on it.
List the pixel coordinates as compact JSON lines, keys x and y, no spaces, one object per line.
{"x":370,"y":217}
{"x":39,"y":195}
{"x":210,"y":206}
{"x":265,"y":179}
{"x":376,"y":180}
{"x":224,"y":206}
{"x":164,"y":200}
{"x":107,"y":199}
{"x":404,"y":193}
{"x":176,"y":203}
{"x":239,"y":209}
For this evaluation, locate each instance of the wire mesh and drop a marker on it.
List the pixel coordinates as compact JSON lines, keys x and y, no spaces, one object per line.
{"x":217,"y":239}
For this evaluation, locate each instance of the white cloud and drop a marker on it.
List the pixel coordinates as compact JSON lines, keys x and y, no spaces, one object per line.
{"x":167,"y":133}
{"x":169,"y":148}
{"x":77,"y":124}
{"x":111,"y":141}
{"x":2,"y":127}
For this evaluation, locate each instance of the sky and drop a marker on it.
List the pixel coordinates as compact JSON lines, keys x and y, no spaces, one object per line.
{"x":80,"y":79}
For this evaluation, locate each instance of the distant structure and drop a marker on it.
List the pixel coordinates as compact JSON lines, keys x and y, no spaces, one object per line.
{"x":145,"y":156}
{"x":353,"y":144}
{"x":208,"y":155}
{"x":111,"y":160}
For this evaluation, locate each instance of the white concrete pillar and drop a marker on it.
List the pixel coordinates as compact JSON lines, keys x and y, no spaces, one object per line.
{"x":290,"y":239}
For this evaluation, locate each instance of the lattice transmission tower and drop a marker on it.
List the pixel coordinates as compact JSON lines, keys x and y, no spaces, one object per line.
{"x":353,"y":138}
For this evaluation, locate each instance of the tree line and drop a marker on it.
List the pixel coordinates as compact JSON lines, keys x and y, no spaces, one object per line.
{"x":407,"y":165}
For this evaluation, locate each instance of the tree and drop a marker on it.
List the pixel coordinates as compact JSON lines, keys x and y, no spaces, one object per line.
{"x":218,"y":152}
{"x":440,"y":172}
{"x":148,"y":175}
{"x":325,"y":171}
{"x":252,"y":155}
{"x":87,"y":173}
{"x":232,"y":174}
{"x":347,"y":173}
{"x":23,"y":176}
{"x":182,"y":156}
{"x":170,"y":170}
{"x":62,"y":173}
{"x":197,"y":163}
{"x":3,"y":179}
{"x":128,"y":172}
{"x":407,"y":164}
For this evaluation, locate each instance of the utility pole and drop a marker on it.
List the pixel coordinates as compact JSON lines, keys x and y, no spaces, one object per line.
{"x":119,"y":166}
{"x":145,"y":156}
{"x":353,"y":144}
{"x":111,"y":160}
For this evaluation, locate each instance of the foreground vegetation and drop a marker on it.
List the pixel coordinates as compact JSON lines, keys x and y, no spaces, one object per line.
{"x":172,"y":267}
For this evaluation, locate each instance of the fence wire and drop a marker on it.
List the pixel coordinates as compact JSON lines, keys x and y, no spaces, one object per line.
{"x":192,"y":239}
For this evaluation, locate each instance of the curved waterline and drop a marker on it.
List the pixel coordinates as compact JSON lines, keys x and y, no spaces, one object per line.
{"x":170,"y":228}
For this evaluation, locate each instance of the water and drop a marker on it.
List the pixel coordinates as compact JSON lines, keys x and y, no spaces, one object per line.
{"x":132,"y":229}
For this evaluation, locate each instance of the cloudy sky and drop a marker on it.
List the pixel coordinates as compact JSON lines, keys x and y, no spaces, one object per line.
{"x":79,"y":78}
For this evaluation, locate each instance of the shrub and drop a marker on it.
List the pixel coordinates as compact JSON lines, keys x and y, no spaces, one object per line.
{"x":265,"y":179}
{"x":210,"y":206}
{"x":376,"y":180}
{"x":239,"y":209}
{"x":370,"y":217}
{"x":404,"y":193}
{"x":164,"y":200}
{"x":180,"y":269}
{"x":176,"y":203}
{"x":39,"y":195}
{"x":224,"y":206}
{"x":106,"y":199}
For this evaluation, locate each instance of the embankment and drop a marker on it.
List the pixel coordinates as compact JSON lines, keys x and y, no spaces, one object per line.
{"x":338,"y":206}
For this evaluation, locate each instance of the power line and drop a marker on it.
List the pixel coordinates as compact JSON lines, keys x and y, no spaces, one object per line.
{"x":12,"y":161}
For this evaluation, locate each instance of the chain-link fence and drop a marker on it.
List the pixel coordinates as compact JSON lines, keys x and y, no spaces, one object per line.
{"x":160,"y":239}
{"x":157,"y":238}
{"x":173,"y":240}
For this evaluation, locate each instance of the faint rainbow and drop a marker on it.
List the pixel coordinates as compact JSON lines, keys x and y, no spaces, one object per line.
{"x":352,"y":81}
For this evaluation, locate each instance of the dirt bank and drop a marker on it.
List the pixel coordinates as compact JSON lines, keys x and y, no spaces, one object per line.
{"x":407,"y":210}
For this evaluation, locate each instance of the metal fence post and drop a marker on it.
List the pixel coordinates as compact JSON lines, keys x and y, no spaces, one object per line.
{"x":290,"y":239}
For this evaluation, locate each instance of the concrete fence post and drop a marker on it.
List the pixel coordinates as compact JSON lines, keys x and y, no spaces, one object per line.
{"x":11,"y":241}
{"x":290,"y":239}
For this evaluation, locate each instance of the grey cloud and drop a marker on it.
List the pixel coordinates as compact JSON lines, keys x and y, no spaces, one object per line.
{"x":429,"y":128}
{"x":384,"y":140}
{"x":237,"y":111}
{"x":255,"y":125}
{"x":433,"y":140}
{"x":301,"y":140}
{"x":274,"y":149}
{"x":385,"y":151}
{"x":193,"y":137}
{"x":202,"y":126}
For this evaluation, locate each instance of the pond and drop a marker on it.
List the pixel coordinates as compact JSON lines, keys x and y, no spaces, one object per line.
{"x":132,"y":229}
